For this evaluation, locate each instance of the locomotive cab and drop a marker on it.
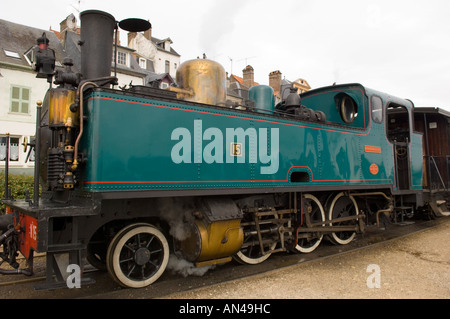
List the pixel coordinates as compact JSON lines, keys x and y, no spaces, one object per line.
{"x":398,"y":132}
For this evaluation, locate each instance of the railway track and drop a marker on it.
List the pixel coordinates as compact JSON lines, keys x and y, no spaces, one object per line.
{"x":19,"y":286}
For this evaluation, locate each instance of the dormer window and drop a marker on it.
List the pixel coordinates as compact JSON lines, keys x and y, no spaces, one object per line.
{"x":11,"y":54}
{"x":142,"y":63}
{"x":167,"y":45}
{"x":29,"y":56}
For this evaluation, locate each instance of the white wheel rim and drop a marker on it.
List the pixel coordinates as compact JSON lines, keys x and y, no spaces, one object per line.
{"x":319,"y":240}
{"x":254,"y":261}
{"x":118,"y":243}
{"x":336,"y":238}
{"x":241,"y":257}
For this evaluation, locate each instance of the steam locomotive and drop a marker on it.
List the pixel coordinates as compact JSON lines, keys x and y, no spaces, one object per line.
{"x":130,"y":176}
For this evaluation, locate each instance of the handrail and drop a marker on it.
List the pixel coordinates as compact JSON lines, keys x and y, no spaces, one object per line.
{"x":437,"y":170}
{"x":434,"y":174}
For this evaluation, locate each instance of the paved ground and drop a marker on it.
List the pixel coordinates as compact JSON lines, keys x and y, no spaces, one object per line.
{"x":417,"y":266}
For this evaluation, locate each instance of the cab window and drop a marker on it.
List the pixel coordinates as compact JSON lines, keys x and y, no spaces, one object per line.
{"x":398,"y":128}
{"x":377,"y":109}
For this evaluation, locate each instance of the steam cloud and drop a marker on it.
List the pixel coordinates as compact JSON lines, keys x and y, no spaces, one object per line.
{"x":178,"y":213}
{"x":186,"y":268}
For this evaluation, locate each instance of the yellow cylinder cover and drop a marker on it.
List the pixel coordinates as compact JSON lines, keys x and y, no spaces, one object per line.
{"x":212,"y":241}
{"x":59,"y":108}
{"x":206,"y":78}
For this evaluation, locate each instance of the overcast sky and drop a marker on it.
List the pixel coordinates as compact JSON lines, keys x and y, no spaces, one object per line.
{"x":395,"y":46}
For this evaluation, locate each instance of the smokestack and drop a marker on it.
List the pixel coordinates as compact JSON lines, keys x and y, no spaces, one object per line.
{"x":97,"y":34}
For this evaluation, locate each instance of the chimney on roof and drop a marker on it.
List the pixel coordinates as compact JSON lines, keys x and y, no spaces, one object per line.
{"x":148,"y":34}
{"x":118,"y":36}
{"x":248,"y":76}
{"x":275,"y":80}
{"x":131,"y":38}
{"x":68,"y":24}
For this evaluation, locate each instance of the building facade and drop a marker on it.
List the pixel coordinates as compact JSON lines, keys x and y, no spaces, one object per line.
{"x":154,"y":55}
{"x":19,"y":91}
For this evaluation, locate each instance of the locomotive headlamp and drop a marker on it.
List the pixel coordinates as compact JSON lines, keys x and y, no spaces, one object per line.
{"x":44,"y":64}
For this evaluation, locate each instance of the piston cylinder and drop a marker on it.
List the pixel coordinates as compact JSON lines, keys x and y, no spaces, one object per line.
{"x":212,"y":241}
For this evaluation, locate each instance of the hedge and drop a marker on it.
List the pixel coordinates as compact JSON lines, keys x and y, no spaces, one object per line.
{"x":18,"y":185}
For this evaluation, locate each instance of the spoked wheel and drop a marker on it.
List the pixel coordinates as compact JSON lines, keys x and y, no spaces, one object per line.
{"x":316,"y":214}
{"x":137,"y":256}
{"x":343,"y":206}
{"x":250,"y":252}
